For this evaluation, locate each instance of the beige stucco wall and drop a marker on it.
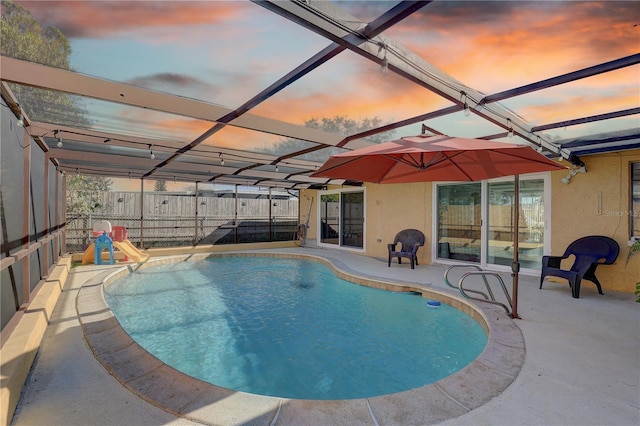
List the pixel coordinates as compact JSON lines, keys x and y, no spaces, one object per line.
{"x":19,"y":351}
{"x":391,"y":208}
{"x":574,"y":214}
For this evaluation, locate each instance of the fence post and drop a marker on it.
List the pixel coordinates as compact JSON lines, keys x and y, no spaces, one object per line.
{"x":142,"y":213}
{"x":270,"y":217}
{"x":195,"y":225}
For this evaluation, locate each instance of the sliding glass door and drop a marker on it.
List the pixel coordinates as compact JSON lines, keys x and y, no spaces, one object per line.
{"x":475,"y":222}
{"x":342,"y":219}
{"x":459,"y":227}
{"x":352,"y":229}
{"x":501,"y":233}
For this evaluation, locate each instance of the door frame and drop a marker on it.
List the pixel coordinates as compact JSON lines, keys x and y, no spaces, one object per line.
{"x":340,"y":246}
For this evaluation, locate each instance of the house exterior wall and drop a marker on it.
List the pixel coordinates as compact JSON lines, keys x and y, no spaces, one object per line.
{"x":574,"y":214}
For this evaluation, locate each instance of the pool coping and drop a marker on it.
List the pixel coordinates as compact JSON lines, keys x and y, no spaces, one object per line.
{"x":184,"y":396}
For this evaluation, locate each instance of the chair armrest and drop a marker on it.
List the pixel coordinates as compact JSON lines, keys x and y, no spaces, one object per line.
{"x":552,"y":261}
{"x":391,"y":247}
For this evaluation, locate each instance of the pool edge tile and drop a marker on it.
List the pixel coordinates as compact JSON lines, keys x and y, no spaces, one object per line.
{"x":335,"y":412}
{"x":425,"y":405}
{"x":230,"y":407}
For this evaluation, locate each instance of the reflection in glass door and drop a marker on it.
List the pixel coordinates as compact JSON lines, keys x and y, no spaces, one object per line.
{"x":500,"y":232}
{"x":459,"y":221}
{"x":352,"y":230}
{"x":475,"y":222}
{"x":342,"y":219}
{"x":329,"y":218}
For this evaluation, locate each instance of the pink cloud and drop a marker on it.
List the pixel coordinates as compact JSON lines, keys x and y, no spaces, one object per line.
{"x":96,"y":19}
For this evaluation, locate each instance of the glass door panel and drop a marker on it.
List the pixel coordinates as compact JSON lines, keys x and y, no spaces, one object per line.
{"x":330,"y":218}
{"x":500,"y":232}
{"x":352,"y":231}
{"x":459,"y":221}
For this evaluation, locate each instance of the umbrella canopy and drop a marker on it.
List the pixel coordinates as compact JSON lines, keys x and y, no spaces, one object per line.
{"x":435,"y":158}
{"x":442,"y":158}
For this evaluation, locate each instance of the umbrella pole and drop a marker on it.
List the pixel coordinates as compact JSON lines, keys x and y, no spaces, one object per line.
{"x":515,"y":266}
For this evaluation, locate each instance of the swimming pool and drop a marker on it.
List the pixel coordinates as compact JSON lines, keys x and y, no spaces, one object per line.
{"x":248,"y":324}
{"x":487,"y":377}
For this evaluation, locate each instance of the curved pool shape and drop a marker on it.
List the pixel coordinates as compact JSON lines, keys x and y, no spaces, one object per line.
{"x":291,"y":328}
{"x":182,"y":395}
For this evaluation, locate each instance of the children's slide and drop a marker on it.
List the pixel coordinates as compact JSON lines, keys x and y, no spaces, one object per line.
{"x":131,"y":251}
{"x":125,"y":247}
{"x":89,"y":255}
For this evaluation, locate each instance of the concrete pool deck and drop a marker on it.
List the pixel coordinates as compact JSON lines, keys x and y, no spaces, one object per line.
{"x":582,"y":365}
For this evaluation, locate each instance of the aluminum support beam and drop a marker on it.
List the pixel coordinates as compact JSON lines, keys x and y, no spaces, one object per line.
{"x":36,"y":75}
{"x":325,"y":19}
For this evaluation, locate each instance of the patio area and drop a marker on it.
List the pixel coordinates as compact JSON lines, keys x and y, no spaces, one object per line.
{"x":580,"y":366}
{"x":167,"y":118}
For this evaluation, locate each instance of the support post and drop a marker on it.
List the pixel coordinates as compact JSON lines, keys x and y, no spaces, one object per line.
{"x":141,"y":213}
{"x":45,"y":221}
{"x":515,"y":266}
{"x":26,"y":212}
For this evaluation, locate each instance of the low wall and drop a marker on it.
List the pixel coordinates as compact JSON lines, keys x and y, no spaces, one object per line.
{"x":205,"y":248}
{"x":19,"y":351}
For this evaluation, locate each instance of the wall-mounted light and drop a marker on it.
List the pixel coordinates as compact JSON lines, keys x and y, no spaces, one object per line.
{"x":510,"y":132}
{"x":567,"y":179}
{"x":221,"y":159}
{"x":151,"y":154}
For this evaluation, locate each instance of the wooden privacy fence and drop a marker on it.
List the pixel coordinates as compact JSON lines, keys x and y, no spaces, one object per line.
{"x":170,"y":220}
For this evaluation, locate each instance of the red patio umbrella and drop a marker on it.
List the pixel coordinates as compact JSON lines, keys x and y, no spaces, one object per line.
{"x":441,"y":158}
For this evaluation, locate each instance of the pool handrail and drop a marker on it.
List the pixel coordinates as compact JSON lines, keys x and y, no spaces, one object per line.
{"x":490,"y":298}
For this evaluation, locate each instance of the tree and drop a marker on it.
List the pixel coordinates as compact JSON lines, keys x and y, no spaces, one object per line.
{"x":160,"y":185}
{"x":84,"y":194}
{"x":24,"y":38}
{"x":339,"y":124}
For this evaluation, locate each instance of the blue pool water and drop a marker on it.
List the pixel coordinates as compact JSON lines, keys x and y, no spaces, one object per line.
{"x":290,"y":328}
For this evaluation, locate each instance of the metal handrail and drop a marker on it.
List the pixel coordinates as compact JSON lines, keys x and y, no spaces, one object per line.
{"x":490,"y":298}
{"x":493,"y":301}
{"x":447,"y":282}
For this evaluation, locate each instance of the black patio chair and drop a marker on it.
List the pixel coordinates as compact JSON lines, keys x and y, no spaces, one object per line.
{"x":410,"y":241}
{"x":589,"y":252}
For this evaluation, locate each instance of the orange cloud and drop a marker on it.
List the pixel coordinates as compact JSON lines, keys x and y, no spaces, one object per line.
{"x":95,"y":19}
{"x":523,"y":41}
{"x":367,"y":93}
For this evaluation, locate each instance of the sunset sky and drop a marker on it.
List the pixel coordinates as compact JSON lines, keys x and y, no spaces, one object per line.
{"x":225,"y":52}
